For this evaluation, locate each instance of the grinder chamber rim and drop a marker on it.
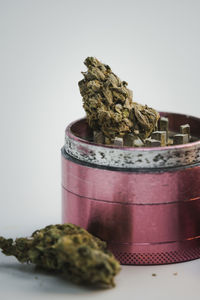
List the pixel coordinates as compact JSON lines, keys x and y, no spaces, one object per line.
{"x":69,"y":132}
{"x":130,"y":157}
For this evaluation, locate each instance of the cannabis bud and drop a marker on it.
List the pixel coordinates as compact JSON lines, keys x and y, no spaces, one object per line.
{"x":109,"y":106}
{"x":68,"y":249}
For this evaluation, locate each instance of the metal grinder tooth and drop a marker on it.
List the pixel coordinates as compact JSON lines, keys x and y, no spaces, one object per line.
{"x":180,"y":139}
{"x":118,"y":141}
{"x":164,"y":125}
{"x":185,"y":129}
{"x":160,"y":136}
{"x":152,"y":143}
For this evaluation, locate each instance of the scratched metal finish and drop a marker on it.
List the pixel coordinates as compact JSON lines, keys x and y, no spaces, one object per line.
{"x":162,"y":157}
{"x":125,"y":157}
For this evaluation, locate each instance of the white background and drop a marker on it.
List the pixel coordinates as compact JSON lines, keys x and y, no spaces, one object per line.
{"x":152,"y":44}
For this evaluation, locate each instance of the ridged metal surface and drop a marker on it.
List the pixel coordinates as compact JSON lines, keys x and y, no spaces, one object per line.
{"x":156,"y":258}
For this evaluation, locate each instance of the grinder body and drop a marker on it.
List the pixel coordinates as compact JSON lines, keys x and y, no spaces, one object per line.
{"x":145,"y":203}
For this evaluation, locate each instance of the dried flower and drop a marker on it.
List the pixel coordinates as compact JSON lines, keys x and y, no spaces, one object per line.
{"x":109,"y":106}
{"x":68,"y":249}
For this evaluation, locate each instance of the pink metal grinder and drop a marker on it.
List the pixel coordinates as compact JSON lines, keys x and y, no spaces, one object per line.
{"x":145,"y":202}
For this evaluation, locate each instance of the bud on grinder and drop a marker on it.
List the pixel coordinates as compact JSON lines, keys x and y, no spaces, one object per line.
{"x":144,"y":202}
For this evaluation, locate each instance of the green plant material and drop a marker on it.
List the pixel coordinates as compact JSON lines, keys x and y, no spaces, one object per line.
{"x":68,"y":249}
{"x":109,"y":106}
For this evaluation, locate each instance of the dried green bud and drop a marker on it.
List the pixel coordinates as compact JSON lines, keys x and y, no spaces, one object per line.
{"x":109,"y":106}
{"x":68,"y":249}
